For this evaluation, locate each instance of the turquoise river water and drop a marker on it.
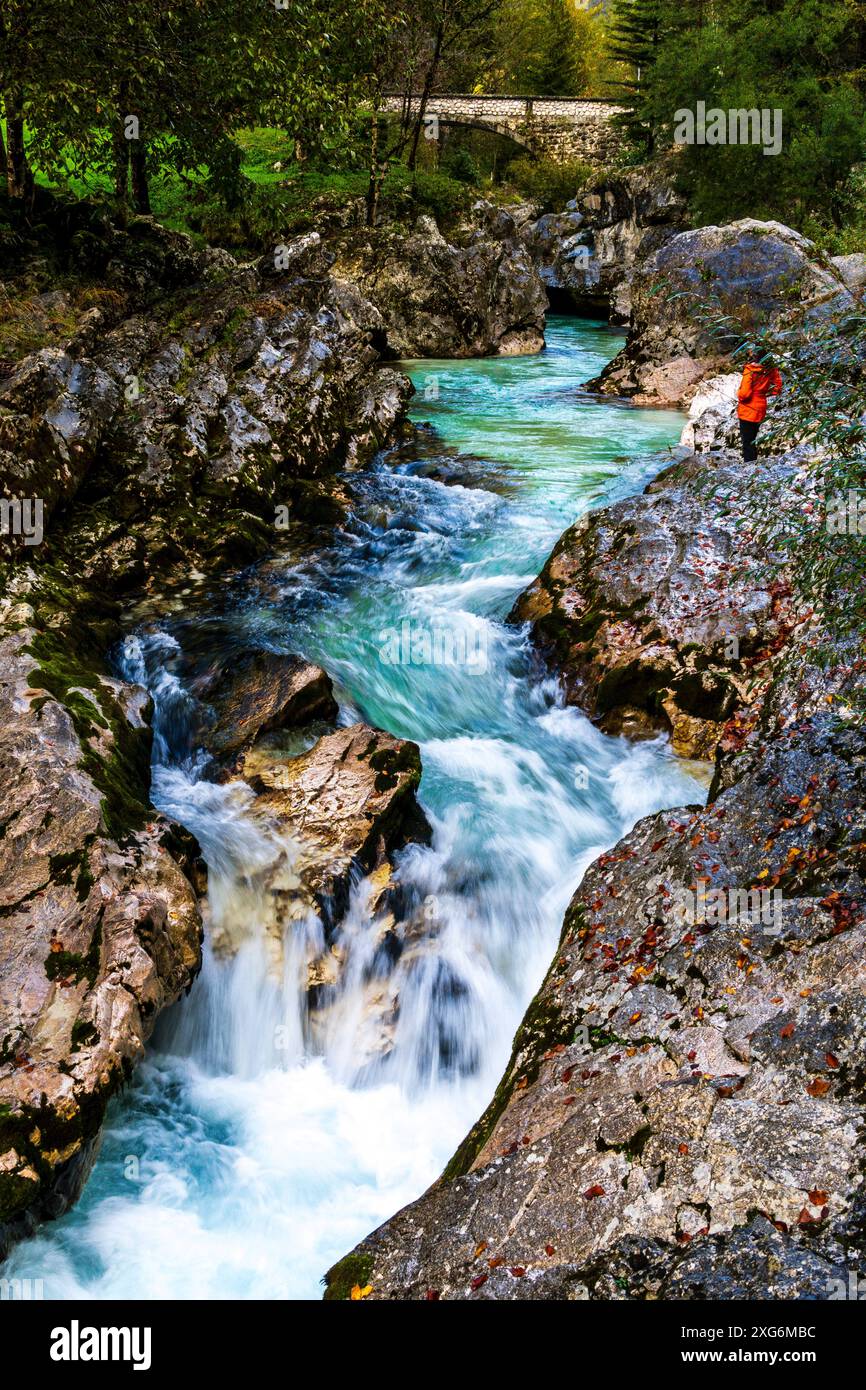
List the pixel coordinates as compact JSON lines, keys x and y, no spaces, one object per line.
{"x":237,"y":1166}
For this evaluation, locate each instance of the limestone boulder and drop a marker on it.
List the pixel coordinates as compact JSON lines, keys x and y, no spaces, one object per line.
{"x":758,"y":273}
{"x":441,"y":300}
{"x":259,"y":691}
{"x":101,"y":923}
{"x":657,"y":609}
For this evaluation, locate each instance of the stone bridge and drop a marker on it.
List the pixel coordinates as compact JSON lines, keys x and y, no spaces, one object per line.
{"x":561,"y":128}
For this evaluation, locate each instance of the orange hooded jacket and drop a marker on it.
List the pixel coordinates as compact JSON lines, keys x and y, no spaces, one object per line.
{"x":757,"y":384}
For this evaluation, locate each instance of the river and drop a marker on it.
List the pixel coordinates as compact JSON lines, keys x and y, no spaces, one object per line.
{"x":232,"y":1168}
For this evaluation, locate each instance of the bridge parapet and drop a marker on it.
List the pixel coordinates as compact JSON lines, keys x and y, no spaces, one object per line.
{"x":562,"y":128}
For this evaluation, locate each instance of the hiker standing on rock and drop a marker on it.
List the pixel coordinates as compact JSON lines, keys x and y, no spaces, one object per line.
{"x":760,"y":380}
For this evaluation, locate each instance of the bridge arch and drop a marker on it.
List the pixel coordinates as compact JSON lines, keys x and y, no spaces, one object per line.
{"x":561,"y":128}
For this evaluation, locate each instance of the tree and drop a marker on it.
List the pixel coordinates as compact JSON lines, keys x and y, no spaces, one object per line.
{"x":636,"y":37}
{"x":449,"y":25}
{"x":801,"y":60}
{"x":166,"y":83}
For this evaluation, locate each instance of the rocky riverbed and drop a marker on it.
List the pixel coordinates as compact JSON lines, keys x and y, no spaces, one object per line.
{"x":196,"y":416}
{"x":682,"y":1114}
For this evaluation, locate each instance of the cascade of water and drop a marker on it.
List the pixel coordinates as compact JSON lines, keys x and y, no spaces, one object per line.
{"x":265,"y":1141}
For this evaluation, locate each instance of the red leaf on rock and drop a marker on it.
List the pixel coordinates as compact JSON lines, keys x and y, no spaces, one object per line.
{"x":595,"y":1191}
{"x":818,"y":1087}
{"x":478,"y":1281}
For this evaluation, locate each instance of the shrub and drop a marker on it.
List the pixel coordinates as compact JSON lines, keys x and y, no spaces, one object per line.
{"x":461,"y":166}
{"x":851,"y":236}
{"x":547,"y":182}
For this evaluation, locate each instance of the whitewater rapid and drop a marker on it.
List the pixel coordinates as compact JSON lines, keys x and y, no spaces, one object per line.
{"x":254,"y":1147}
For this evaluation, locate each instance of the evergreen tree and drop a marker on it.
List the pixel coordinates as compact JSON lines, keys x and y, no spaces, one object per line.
{"x":635,"y":40}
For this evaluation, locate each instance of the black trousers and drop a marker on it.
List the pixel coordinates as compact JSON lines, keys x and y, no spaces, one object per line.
{"x":748,"y":435}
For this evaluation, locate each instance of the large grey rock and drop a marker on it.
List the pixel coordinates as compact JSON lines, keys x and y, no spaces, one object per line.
{"x":236,"y":396}
{"x":53,"y":411}
{"x":586,"y":254}
{"x":101,"y":925}
{"x":712,"y":422}
{"x":852,"y":269}
{"x":656,"y":611}
{"x":439,"y":300}
{"x":760,"y":273}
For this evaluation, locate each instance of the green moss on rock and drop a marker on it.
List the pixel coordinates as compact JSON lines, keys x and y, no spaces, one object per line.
{"x":342,"y":1277}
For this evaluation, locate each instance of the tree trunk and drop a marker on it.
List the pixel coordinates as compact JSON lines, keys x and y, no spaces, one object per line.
{"x":121,"y":171}
{"x":429,"y":79}
{"x":19,"y":179}
{"x":375,"y":184}
{"x":121,"y":153}
{"x":138,"y":166}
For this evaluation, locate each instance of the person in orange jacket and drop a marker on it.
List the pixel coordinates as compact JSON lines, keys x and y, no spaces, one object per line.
{"x":760,"y":379}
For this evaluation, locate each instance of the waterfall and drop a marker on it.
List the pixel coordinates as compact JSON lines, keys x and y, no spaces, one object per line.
{"x":262,"y":1138}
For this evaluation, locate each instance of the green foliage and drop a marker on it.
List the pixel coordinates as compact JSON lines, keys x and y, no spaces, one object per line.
{"x":165,"y":83}
{"x":341,"y":1278}
{"x":636,"y":37}
{"x":547,"y":182}
{"x":804,"y":60}
{"x":543,"y":48}
{"x":460,"y":165}
{"x":305,"y":199}
{"x":850,"y":235}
